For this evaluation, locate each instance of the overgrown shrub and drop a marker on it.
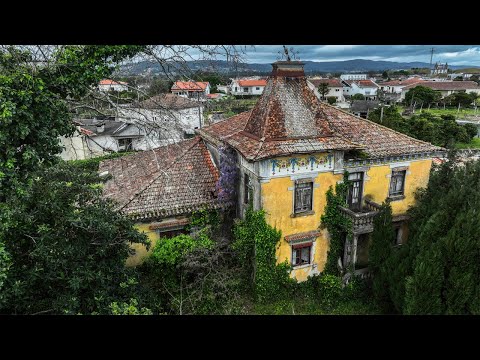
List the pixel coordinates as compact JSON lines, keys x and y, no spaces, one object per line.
{"x":338,"y":226}
{"x":255,"y":244}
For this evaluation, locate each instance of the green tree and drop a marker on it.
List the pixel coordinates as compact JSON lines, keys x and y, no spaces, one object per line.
{"x":67,"y":245}
{"x":463,"y":98}
{"x":159,"y":86}
{"x":33,"y":107}
{"x":323,"y":89}
{"x":437,"y":270}
{"x":422,"y":94}
{"x":358,"y":97}
{"x":385,"y":75}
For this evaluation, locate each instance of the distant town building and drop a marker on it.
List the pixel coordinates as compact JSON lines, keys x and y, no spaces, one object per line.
{"x":446,"y":87}
{"x":335,"y":88}
{"x":223,"y":88}
{"x":439,"y":69}
{"x":112,"y":85}
{"x":195,"y":90}
{"x":175,"y":116}
{"x":396,"y":86}
{"x":363,"y":107}
{"x":247,"y":86}
{"x":365,"y":87}
{"x":94,"y":138}
{"x":353,"y":76}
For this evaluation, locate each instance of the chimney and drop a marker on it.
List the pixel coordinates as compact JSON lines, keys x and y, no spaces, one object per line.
{"x":288,"y":69}
{"x":100,"y":128}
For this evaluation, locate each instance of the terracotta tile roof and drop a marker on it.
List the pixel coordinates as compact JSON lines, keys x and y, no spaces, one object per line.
{"x":190,"y":85}
{"x":167,"y":101}
{"x":111,"y":82}
{"x":288,"y":118}
{"x":167,"y":181}
{"x":446,"y":85}
{"x":261,"y":82}
{"x":402,"y":82}
{"x":379,"y":141}
{"x":330,"y":82}
{"x":362,"y":83}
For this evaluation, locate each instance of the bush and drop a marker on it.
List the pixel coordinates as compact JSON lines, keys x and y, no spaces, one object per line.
{"x":255,"y":244}
{"x":331,"y":100}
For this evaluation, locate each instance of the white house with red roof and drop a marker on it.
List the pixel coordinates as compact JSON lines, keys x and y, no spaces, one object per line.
{"x":247,"y":86}
{"x":396,"y":86}
{"x":195,"y":90}
{"x":335,"y":88}
{"x":365,"y":87}
{"x":112,"y":85}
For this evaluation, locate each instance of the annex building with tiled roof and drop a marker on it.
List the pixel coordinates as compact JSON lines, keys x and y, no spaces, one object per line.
{"x":445,"y":87}
{"x":161,"y":188}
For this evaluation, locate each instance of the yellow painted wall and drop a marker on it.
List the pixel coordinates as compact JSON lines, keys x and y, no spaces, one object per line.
{"x":140,"y":250}
{"x":378,"y":184}
{"x":277,"y":201}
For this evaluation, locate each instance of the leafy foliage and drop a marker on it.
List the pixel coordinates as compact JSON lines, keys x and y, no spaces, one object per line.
{"x":130,"y":308}
{"x":422,"y":94}
{"x":441,"y":131}
{"x":255,"y":244}
{"x":331,"y":99}
{"x":358,"y":97}
{"x":33,"y":108}
{"x":67,"y":245}
{"x":323,"y":89}
{"x":338,"y":226}
{"x":383,"y":239}
{"x":437,"y":270}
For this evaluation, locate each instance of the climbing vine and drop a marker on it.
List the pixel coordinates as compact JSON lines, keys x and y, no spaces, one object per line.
{"x":227,"y":182}
{"x":256,"y":243}
{"x":337,"y":225}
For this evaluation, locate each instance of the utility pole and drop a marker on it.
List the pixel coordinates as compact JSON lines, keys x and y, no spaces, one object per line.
{"x":431,"y":58}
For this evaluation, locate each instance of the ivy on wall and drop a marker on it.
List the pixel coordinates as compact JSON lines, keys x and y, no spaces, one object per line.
{"x":255,"y":243}
{"x":337,"y":225}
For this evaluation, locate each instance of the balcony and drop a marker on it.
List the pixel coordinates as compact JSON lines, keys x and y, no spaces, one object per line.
{"x":362,"y":221}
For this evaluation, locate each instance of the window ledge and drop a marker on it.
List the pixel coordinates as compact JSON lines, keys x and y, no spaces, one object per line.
{"x":305,"y":213}
{"x":396,"y":197}
{"x":302,"y":266}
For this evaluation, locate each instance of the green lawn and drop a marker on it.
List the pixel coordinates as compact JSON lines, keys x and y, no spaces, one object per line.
{"x":474,"y":144}
{"x":450,"y":111}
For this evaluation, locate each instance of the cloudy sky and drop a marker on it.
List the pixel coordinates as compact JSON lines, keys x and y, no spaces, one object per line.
{"x":453,"y":54}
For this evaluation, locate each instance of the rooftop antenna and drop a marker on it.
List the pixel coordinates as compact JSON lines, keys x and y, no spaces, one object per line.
{"x":287,"y":55}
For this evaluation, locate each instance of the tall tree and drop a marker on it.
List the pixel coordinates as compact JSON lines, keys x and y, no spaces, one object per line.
{"x":438,"y":270}
{"x":67,"y":245}
{"x":323,"y":89}
{"x":422,"y":94}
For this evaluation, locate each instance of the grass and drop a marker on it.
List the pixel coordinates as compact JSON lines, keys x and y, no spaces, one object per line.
{"x":474,"y":144}
{"x":450,"y":111}
{"x":441,"y":111}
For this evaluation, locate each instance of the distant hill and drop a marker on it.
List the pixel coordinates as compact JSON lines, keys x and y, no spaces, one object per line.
{"x":466,"y":70}
{"x":356,"y":65}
